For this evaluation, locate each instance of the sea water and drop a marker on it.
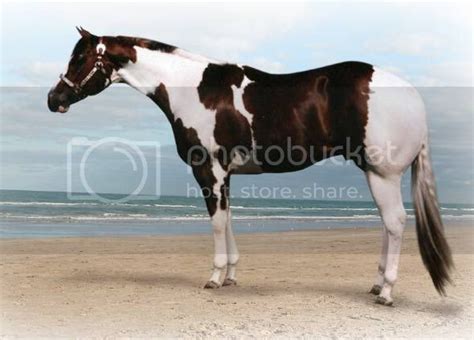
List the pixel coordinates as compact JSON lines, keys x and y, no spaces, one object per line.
{"x":54,"y":214}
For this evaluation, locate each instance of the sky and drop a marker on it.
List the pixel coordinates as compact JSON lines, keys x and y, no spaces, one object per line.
{"x":427,"y":43}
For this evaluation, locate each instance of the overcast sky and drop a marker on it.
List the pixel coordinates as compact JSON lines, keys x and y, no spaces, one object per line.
{"x":429,"y":44}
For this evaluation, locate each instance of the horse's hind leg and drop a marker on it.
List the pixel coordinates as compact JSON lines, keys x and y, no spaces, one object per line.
{"x":379,"y":278}
{"x":387,"y":195}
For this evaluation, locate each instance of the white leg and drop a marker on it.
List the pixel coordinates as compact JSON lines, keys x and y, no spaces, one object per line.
{"x":212,"y":179}
{"x":379,"y":278}
{"x":219,"y":223}
{"x":232,"y":254}
{"x":387,"y":195}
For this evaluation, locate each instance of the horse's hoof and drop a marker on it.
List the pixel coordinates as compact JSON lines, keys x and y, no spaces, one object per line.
{"x":383,"y":301}
{"x":376,"y":289}
{"x":229,"y":282}
{"x":211,"y":285}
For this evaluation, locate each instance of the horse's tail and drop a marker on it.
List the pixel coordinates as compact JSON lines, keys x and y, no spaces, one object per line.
{"x":434,"y":249}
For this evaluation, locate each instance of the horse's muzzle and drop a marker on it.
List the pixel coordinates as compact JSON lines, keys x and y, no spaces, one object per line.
{"x":58,"y":102}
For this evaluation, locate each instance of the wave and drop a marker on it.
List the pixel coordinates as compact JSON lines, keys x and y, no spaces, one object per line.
{"x":67,"y":204}
{"x":146,"y":218}
{"x":174,"y":206}
{"x":192,"y":206}
{"x":457,"y":209}
{"x":46,"y":203}
{"x":239,"y":207}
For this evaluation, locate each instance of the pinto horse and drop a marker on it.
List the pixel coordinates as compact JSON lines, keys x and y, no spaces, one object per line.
{"x":233,"y":119}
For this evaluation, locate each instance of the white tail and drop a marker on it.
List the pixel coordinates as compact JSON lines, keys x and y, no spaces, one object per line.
{"x":434,"y":249}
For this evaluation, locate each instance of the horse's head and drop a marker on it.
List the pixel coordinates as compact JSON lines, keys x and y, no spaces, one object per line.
{"x":89,"y":72}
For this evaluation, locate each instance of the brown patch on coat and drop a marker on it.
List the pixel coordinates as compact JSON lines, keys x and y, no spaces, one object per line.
{"x":149,"y":44}
{"x":232,"y":130}
{"x":232,"y":133}
{"x":206,"y":179}
{"x":314,"y":111}
{"x":121,"y":48}
{"x":191,"y":151}
{"x":321,"y":101}
{"x":225,"y":193}
{"x":215,"y":88}
{"x":348,"y":98}
{"x":160,"y":97}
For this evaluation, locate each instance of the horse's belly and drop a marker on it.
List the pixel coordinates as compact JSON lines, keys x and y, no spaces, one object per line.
{"x":251,"y":167}
{"x":281,"y":160}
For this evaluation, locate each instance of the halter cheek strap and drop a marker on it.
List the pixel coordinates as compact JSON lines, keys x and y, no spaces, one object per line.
{"x":98,"y":66}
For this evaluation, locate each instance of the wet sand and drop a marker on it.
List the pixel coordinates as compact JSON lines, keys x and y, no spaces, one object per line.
{"x":309,"y":283}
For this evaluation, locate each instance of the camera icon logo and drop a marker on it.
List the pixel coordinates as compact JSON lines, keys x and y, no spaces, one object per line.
{"x":98,"y":170}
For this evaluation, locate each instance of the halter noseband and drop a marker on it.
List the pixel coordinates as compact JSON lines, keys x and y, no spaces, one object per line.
{"x":98,"y":66}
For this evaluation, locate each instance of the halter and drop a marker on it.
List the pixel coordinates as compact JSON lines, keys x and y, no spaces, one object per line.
{"x":98,"y":66}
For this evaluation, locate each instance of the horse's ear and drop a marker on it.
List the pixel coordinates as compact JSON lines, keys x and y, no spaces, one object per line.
{"x":83,"y":32}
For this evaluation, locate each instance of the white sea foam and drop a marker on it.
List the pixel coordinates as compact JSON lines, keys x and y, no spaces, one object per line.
{"x":145,"y":218}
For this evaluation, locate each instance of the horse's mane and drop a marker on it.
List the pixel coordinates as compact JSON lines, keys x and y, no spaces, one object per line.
{"x":146,"y":43}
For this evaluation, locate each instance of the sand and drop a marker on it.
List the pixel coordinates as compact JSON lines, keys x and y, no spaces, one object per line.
{"x":301,"y":284}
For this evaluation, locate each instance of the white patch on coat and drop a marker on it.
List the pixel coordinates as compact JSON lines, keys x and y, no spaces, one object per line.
{"x":240,"y":164}
{"x":396,"y":123}
{"x":186,"y":54}
{"x":153,"y":67}
{"x":181,"y":73}
{"x":238,"y":93}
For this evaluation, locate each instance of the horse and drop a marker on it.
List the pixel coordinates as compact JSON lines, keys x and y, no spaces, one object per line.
{"x":235,"y":119}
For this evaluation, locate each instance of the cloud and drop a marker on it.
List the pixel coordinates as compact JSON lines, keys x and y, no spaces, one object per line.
{"x":459,"y":74}
{"x":219,"y":30}
{"x":268,"y":65}
{"x":443,"y":74}
{"x":38,"y":72}
{"x":411,"y":44}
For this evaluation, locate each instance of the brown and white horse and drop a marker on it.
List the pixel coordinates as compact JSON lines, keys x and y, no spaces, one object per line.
{"x":232,"y":119}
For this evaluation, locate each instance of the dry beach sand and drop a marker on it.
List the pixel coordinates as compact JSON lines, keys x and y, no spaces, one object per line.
{"x":310,"y":283}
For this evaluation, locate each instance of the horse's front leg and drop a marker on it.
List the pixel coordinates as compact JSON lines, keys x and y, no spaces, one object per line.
{"x":232,"y":255}
{"x":212,"y":179}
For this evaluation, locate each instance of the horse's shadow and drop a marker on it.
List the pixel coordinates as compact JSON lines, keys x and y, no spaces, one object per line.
{"x":317,"y":289}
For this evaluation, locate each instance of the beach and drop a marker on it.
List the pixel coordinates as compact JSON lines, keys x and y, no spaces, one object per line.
{"x":301,"y":283}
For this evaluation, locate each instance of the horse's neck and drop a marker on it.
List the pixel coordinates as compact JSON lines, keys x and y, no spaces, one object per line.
{"x":173,"y":70}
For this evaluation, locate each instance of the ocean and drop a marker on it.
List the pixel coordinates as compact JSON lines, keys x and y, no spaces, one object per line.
{"x":28,"y":214}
